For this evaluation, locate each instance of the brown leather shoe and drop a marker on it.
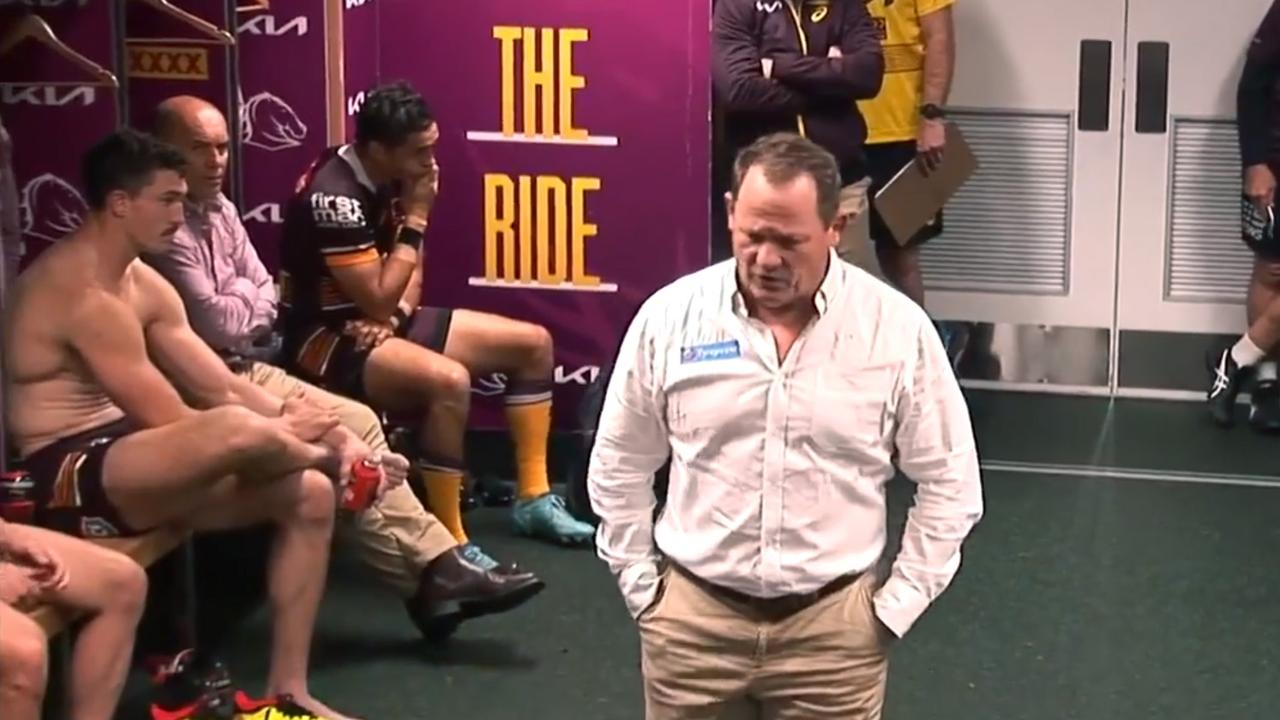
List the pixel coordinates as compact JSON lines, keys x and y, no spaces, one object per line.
{"x":453,"y":589}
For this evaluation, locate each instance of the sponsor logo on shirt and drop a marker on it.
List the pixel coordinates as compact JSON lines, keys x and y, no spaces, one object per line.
{"x":726,"y":350}
{"x":336,"y":211}
{"x":96,"y":527}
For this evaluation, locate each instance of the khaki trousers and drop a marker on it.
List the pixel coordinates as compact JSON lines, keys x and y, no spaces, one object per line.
{"x":397,"y":537}
{"x":855,"y":245}
{"x":707,"y":657}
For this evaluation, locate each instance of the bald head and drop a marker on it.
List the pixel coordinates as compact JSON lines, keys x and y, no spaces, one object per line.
{"x":199,"y":130}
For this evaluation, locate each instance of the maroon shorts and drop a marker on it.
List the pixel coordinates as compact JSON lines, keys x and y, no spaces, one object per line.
{"x":330,"y":359}
{"x":69,"y":492}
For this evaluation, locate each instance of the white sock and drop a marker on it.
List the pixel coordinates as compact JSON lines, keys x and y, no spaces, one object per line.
{"x":1245,"y":353}
{"x":1266,"y":371}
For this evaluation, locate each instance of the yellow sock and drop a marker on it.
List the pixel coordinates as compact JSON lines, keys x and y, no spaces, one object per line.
{"x":444,"y":495}
{"x":530,"y":428}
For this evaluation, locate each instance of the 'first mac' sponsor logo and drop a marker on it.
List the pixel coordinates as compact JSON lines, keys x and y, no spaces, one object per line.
{"x":336,"y":211}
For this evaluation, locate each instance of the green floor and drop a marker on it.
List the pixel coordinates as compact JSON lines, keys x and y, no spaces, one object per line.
{"x":1090,"y":598}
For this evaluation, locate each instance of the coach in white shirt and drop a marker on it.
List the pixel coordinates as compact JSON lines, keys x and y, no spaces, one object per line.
{"x":784,"y":384}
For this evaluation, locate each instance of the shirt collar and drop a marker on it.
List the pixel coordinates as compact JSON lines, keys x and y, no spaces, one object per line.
{"x":348,"y":153}
{"x":202,"y":211}
{"x":832,"y":282}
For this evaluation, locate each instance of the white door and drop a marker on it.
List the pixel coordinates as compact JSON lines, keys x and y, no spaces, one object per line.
{"x":1182,"y":265}
{"x":1030,"y":240}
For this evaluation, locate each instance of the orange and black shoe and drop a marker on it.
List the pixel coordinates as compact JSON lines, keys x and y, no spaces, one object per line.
{"x":280,"y":707}
{"x":186,"y":689}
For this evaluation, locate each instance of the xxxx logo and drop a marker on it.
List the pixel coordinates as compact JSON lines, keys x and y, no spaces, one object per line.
{"x":168,"y":63}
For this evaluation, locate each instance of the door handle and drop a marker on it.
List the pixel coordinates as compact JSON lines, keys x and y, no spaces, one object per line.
{"x":1093,"y":106}
{"x":1152,"y":115}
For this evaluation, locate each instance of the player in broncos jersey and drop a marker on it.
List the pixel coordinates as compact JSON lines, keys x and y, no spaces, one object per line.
{"x":350,"y":315}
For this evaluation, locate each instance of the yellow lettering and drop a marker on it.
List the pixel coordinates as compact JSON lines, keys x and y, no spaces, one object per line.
{"x":553,"y":204}
{"x":546,"y":82}
{"x":499,"y":224}
{"x":507,"y":36}
{"x":536,"y":229}
{"x":526,"y":228}
{"x":569,"y":83}
{"x":582,"y":230}
{"x":539,"y":80}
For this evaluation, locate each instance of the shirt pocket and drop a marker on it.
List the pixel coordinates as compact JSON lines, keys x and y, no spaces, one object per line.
{"x":852,"y":412}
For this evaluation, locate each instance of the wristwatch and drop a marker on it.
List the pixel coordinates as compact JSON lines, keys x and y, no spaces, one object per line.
{"x":930,"y":111}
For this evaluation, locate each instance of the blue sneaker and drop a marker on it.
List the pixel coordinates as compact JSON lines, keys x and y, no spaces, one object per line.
{"x":472,"y":553}
{"x":547,"y":518}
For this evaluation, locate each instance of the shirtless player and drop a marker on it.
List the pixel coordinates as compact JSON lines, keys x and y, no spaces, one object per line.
{"x":353,"y":247}
{"x":37,"y":565}
{"x":113,"y":447}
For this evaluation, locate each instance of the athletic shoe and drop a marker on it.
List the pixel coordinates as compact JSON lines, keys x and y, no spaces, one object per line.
{"x":547,"y":517}
{"x":281,"y":707}
{"x":187,"y":689}
{"x":1264,"y":406}
{"x":1225,"y":380}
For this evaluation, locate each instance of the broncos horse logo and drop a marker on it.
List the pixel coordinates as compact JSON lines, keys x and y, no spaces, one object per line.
{"x":51,"y":208}
{"x":267,"y":122}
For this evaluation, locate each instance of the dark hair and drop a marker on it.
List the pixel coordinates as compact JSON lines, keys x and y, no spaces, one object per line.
{"x":390,"y":114}
{"x":125,"y":160}
{"x":785,"y":156}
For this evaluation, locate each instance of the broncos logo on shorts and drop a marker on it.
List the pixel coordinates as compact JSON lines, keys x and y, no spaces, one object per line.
{"x":316,"y":352}
{"x":66,"y":486}
{"x":1258,"y":229}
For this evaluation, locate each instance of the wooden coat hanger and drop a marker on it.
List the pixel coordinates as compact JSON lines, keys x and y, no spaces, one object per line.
{"x":33,"y":27}
{"x":212,"y":32}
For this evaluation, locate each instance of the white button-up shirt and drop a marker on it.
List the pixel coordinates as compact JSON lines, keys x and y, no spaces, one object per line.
{"x":779,"y":467}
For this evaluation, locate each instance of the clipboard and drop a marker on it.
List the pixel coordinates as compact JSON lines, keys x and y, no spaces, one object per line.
{"x":912,"y":197}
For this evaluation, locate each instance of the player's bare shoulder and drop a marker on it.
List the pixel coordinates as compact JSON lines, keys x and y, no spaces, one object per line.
{"x":152,"y":296}
{"x":53,"y":288}
{"x":43,"y":307}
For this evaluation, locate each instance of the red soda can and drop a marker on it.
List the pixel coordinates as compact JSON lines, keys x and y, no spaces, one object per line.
{"x":358,"y":495}
{"x":17,"y":497}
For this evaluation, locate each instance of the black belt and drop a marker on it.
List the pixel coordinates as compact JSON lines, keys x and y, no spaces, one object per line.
{"x":772,"y":607}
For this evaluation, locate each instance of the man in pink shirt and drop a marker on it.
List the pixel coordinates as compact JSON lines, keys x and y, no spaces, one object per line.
{"x":231,"y":301}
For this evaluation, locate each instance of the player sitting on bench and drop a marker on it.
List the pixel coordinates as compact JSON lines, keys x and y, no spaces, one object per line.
{"x":39,"y":566}
{"x":113,"y":447}
{"x":352,"y":256}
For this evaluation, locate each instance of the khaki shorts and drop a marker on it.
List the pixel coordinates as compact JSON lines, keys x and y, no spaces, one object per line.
{"x":397,"y":537}
{"x":855,"y":242}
